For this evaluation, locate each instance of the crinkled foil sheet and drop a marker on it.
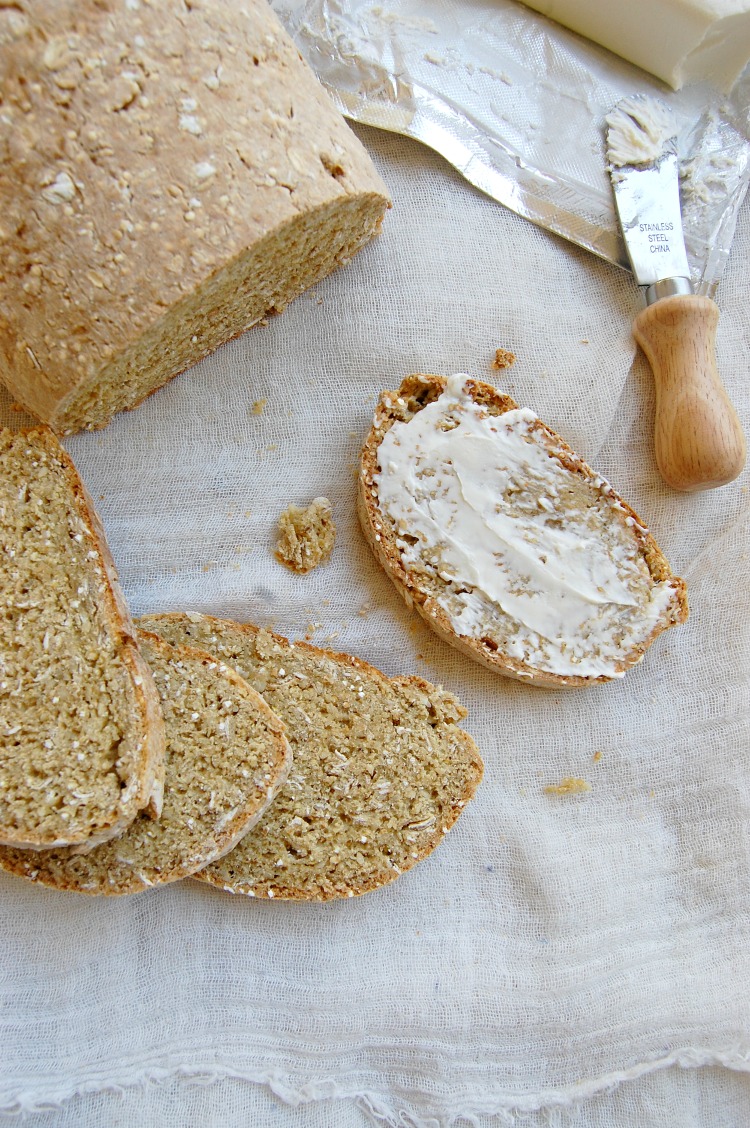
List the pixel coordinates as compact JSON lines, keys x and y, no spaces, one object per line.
{"x":517,"y":104}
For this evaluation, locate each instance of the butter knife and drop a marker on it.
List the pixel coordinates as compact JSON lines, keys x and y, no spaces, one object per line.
{"x":699,"y":442}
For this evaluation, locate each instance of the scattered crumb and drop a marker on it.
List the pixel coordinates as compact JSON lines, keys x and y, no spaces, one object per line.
{"x":597,"y":757}
{"x":364,"y":610}
{"x":503,"y":359}
{"x":272,"y":446}
{"x":585,"y":341}
{"x":257,"y":408}
{"x":568,"y":786}
{"x":306,"y":536}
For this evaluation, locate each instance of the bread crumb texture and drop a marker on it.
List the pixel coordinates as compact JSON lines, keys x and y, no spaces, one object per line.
{"x":503,"y":359}
{"x":81,"y":734}
{"x":173,"y":173}
{"x":507,"y":543}
{"x":381,"y":769}
{"x":226,"y":757}
{"x":306,"y":535}
{"x":568,"y":786}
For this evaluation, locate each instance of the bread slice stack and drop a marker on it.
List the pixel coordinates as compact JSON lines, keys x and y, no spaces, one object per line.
{"x":81,"y":729}
{"x":130,"y":759}
{"x":381,"y":769}
{"x":226,"y":758}
{"x":511,"y":548}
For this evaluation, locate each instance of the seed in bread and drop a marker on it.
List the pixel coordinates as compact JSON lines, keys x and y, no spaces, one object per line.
{"x":173,"y":172}
{"x":81,"y":731}
{"x":226,"y":758}
{"x":381,"y":769}
{"x":507,"y":543}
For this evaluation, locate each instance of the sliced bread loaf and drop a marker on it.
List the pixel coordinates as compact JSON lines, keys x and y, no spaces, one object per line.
{"x":173,"y":172}
{"x":381,"y":769}
{"x":507,"y":543}
{"x":226,"y":758}
{"x":81,"y":731}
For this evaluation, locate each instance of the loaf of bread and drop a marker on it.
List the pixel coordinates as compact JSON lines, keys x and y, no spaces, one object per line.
{"x":507,"y":543}
{"x":81,"y":730}
{"x":226,"y":758}
{"x":172,"y":173}
{"x":381,"y":770}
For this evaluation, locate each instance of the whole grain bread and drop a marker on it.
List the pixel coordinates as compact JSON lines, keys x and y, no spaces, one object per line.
{"x":552,"y":497}
{"x":173,"y":172}
{"x":81,"y":729}
{"x":226,"y":758}
{"x":381,"y":769}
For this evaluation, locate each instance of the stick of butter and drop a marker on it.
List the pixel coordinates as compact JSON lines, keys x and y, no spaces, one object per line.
{"x":679,"y":41}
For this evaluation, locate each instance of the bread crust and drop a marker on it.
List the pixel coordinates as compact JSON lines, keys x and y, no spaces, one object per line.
{"x":144,"y":786}
{"x":448,"y":712}
{"x":415,"y":392}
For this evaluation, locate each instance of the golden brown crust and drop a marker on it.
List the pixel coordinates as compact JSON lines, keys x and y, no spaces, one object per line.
{"x":144,"y":782}
{"x":415,"y":392}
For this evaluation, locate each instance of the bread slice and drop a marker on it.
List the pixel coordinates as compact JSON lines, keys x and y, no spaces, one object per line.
{"x":381,"y":769}
{"x":173,"y":172}
{"x":226,"y":758}
{"x":81,"y":731}
{"x":511,"y":548}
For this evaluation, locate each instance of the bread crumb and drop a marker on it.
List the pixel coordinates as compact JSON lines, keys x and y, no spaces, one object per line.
{"x":571,"y":785}
{"x":257,"y":408}
{"x":597,"y":757}
{"x":306,"y":535}
{"x":503,"y":359}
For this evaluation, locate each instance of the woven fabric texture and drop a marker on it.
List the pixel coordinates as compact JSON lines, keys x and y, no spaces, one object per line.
{"x":553,"y":946}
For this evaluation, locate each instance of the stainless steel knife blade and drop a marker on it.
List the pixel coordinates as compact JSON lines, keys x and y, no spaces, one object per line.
{"x":642,"y":154}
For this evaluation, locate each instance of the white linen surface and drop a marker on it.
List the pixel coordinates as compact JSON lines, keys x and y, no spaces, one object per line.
{"x":553,"y":946}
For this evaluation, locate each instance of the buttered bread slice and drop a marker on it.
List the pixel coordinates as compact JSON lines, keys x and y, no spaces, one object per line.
{"x":507,"y":543}
{"x":381,"y":770}
{"x":226,"y":758}
{"x":81,"y":731}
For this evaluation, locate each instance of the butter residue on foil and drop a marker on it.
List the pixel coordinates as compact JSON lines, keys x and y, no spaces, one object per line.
{"x":517,"y":104}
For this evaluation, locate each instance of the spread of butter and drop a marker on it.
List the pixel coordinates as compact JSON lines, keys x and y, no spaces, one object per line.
{"x":680,"y":41}
{"x":639,"y":129}
{"x":516,"y":549}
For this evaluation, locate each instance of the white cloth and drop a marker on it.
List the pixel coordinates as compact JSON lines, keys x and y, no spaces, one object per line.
{"x":553,"y":946}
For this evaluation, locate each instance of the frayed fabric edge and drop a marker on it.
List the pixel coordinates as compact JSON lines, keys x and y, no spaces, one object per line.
{"x":387,"y":1111}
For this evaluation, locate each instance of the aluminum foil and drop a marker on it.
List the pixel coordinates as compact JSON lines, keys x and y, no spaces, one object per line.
{"x":516,"y":104}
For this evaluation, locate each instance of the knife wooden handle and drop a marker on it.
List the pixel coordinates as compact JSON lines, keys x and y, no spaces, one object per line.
{"x":698,"y":438}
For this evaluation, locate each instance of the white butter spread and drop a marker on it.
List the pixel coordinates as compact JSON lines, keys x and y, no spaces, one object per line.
{"x":680,"y":41}
{"x":639,"y":130}
{"x":532,"y":557}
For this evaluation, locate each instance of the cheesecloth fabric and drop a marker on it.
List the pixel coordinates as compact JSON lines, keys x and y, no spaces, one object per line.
{"x":558,"y":954}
